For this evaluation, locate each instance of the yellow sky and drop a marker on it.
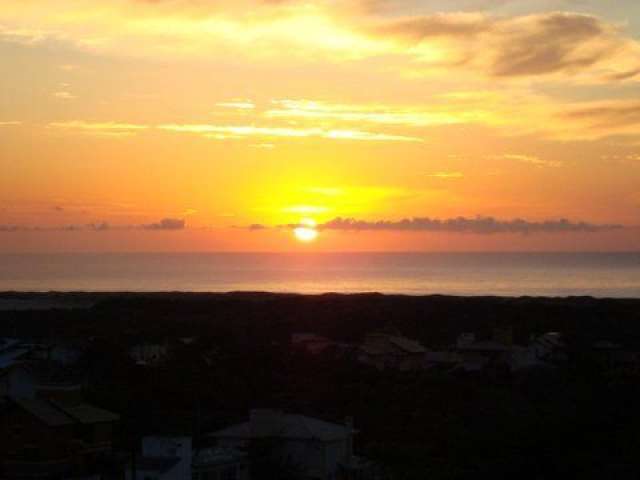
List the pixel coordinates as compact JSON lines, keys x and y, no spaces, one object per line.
{"x":219,"y":115}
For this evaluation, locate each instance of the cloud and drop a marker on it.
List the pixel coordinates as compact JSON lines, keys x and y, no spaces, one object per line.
{"x":557,"y":43}
{"x":530,"y":159}
{"x":478,"y":225}
{"x":99,"y":128}
{"x":12,"y":123}
{"x":237,"y":105}
{"x":64,"y":95}
{"x":554,"y":43}
{"x":516,"y":112}
{"x":186,"y":28}
{"x":607,"y":115}
{"x":375,"y":114}
{"x":214,"y":131}
{"x":417,"y":29}
{"x":167,"y":224}
{"x":551,"y":43}
{"x":99,"y":227}
{"x":446,"y":175}
{"x":11,"y":228}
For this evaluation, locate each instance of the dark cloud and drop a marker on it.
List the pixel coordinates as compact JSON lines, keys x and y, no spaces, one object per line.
{"x":519,"y":46}
{"x":551,"y":43}
{"x":618,"y":114}
{"x":420,"y":28}
{"x":167,"y":224}
{"x":10,"y":228}
{"x":479,"y":225}
{"x":99,"y":227}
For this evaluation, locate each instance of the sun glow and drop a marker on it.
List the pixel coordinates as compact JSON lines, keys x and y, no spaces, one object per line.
{"x":306,"y":231}
{"x":305,"y":234}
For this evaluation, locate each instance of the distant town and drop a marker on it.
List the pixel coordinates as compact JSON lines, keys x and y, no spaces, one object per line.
{"x":263,"y":386}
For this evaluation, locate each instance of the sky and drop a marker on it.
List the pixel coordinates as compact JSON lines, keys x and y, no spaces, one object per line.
{"x":291,"y":125}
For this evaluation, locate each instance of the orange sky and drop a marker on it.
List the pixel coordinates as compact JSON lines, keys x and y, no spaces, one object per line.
{"x":218,"y":115}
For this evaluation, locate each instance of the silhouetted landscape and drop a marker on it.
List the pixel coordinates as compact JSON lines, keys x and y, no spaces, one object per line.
{"x":435,"y":387}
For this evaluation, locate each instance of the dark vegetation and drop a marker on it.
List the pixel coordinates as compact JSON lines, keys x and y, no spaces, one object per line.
{"x":576,"y":421}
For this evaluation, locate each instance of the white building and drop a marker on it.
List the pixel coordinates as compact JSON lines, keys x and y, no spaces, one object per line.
{"x":313,"y":448}
{"x":219,"y":463}
{"x":162,"y":458}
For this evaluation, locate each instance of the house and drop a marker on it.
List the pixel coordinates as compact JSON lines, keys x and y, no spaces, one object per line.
{"x":611,"y":355}
{"x":13,"y":352}
{"x":550,"y":347}
{"x":524,"y":358}
{"x":45,"y":438}
{"x":218,"y":463}
{"x":149,"y":354}
{"x":61,"y":352}
{"x":162,"y":458}
{"x":173,"y":458}
{"x":17,"y":380}
{"x":477,"y":355}
{"x":310,"y":343}
{"x":391,"y":351}
{"x":443,"y":360}
{"x":26,"y":367}
{"x":307,"y":447}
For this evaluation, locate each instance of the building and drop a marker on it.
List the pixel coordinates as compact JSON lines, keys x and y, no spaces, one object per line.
{"x":149,"y":354}
{"x":46,"y":438}
{"x":162,"y":458}
{"x":218,"y":463}
{"x":477,"y":355}
{"x":390,"y":351}
{"x":311,"y":343}
{"x":173,"y":458}
{"x":443,"y":360}
{"x":550,"y":347}
{"x":17,"y":380}
{"x":306,"y":447}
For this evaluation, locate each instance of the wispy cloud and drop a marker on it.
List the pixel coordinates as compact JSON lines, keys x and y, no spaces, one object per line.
{"x":375,"y":114}
{"x":530,"y":159}
{"x":213,"y":131}
{"x":446,"y":175}
{"x":64,"y":95}
{"x":12,"y":123}
{"x":610,"y":117}
{"x":99,"y":128}
{"x":237,"y":105}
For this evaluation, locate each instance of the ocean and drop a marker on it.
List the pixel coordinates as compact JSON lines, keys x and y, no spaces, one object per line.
{"x":505,"y":274}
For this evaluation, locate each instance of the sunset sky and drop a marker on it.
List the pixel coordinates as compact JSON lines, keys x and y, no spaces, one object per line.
{"x":224,"y":125}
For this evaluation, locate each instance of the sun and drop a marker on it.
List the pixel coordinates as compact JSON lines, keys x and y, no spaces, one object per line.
{"x":305,"y":234}
{"x":306,"y":231}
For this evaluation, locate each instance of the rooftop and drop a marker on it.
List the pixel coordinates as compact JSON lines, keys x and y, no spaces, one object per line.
{"x":44,"y":411}
{"x":56,"y":414}
{"x":277,"y":424}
